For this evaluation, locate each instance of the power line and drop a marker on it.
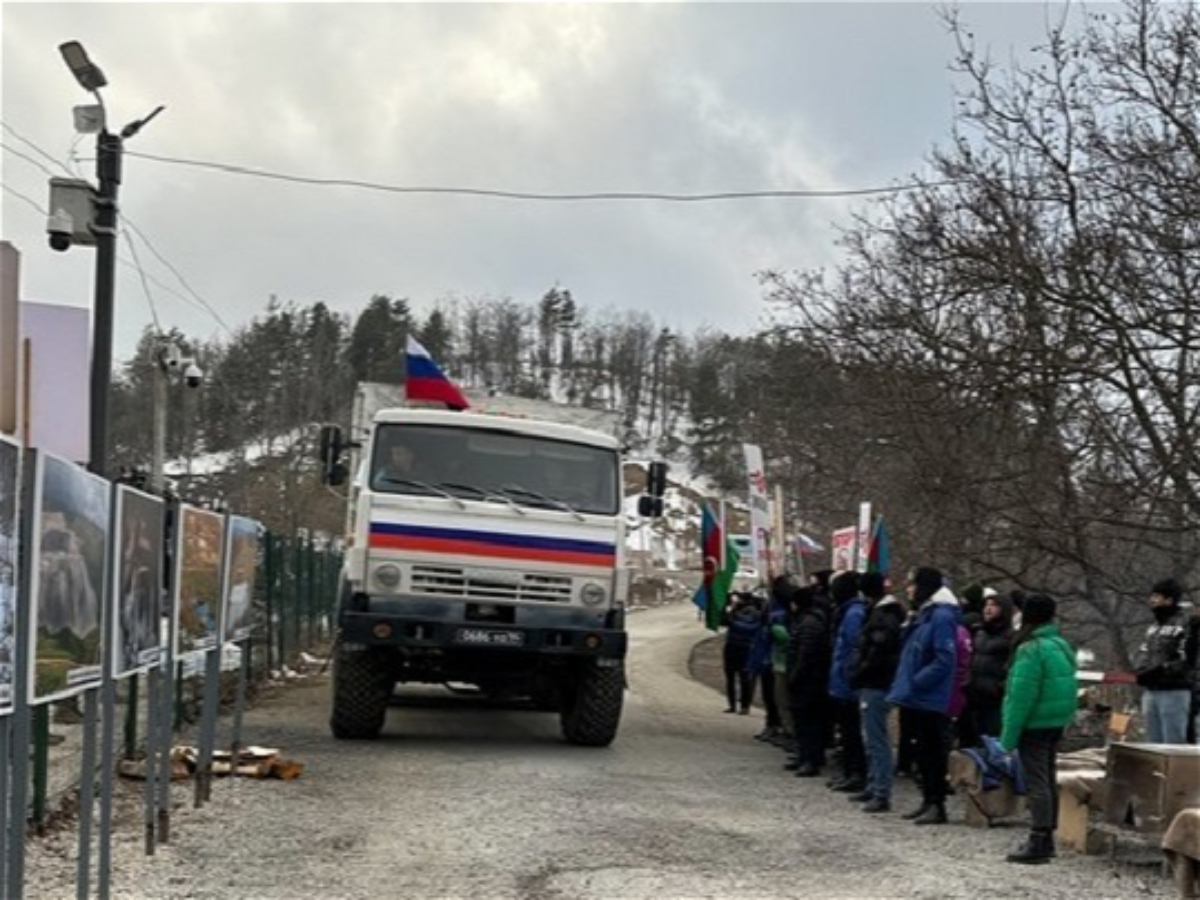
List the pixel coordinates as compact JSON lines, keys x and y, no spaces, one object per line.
{"x":174,"y":271}
{"x":127,"y":221}
{"x":122,"y":260}
{"x":8,"y":148}
{"x":145,"y":286}
{"x":233,"y":169}
{"x":20,"y":196}
{"x":24,"y":140}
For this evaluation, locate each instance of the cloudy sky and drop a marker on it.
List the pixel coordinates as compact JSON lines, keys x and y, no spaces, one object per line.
{"x":556,"y":98}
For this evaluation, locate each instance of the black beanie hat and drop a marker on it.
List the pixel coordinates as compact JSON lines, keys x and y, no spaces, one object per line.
{"x":1168,"y":588}
{"x":1038,"y":609}
{"x":927,"y":581}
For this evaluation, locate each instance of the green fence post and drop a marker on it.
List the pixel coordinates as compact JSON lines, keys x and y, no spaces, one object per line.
{"x":269,"y":580}
{"x":41,"y":767}
{"x":310,"y":570}
{"x":131,"y":718}
{"x":297,"y":589}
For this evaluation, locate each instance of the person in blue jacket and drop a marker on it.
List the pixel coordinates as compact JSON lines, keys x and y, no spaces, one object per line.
{"x":761,"y":669}
{"x":850,"y":611}
{"x":924,"y":683}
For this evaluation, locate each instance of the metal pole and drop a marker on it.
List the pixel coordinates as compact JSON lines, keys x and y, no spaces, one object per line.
{"x":159,"y":450}
{"x":150,"y":784}
{"x":108,"y":724}
{"x":240,"y":705}
{"x":108,"y":732}
{"x":14,"y":886}
{"x":87,"y":795}
{"x":208,"y":724}
{"x":41,"y":763}
{"x":5,"y":818}
{"x":131,"y":717}
{"x":108,"y":172}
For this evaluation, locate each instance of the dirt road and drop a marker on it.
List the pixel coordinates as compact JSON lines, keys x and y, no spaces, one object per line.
{"x":457,"y":802}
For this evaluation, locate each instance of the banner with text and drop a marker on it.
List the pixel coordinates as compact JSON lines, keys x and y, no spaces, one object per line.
{"x":760,"y":511}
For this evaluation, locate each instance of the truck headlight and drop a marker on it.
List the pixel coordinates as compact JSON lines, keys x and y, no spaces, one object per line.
{"x":593,"y":594}
{"x":388,"y":576}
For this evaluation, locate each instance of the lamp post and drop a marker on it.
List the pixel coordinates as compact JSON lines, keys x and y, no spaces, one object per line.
{"x":109,"y":149}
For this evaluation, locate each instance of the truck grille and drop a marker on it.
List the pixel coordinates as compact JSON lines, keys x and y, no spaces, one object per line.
{"x":450,"y":581}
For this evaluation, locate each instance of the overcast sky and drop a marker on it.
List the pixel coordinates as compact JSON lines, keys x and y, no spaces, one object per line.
{"x":543,"y":98}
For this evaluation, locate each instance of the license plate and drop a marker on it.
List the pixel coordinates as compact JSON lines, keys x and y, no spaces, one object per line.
{"x":490,"y":636}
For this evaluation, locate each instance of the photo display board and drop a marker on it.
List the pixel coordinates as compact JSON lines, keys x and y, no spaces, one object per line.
{"x":70,"y":546}
{"x":199,"y":556}
{"x":137,"y":631}
{"x":242,"y":562}
{"x":10,"y":504}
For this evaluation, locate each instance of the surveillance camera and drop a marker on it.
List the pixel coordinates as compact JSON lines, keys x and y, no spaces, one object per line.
{"x":60,"y":226}
{"x":193,"y":375}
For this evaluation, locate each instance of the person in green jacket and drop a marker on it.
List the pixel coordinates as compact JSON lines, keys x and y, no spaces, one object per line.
{"x":1040,"y":701}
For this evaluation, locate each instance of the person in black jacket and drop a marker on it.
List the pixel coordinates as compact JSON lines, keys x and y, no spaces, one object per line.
{"x":742,"y":620}
{"x":992,"y":650}
{"x":808,"y":664}
{"x":878,"y":655}
{"x":1192,"y":652}
{"x":1162,"y":668}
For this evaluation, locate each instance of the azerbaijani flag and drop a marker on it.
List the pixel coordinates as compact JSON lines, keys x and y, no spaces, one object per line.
{"x":423,"y":380}
{"x":713,"y":592}
{"x":879,"y":555}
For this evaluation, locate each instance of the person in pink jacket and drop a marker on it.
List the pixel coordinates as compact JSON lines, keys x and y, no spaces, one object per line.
{"x":962,"y":671}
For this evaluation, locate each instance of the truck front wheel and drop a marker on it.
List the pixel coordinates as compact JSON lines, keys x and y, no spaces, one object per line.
{"x":362,"y":687}
{"x":592,"y":711}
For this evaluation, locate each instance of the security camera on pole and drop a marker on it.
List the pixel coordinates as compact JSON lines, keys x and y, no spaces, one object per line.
{"x":80,"y":214}
{"x":169,"y":361}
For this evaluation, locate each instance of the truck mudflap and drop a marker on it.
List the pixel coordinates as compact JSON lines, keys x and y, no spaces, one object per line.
{"x":462,"y":625}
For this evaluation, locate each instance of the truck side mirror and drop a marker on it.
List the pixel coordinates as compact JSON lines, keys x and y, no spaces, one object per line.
{"x":650,"y":507}
{"x":330,"y":446}
{"x":656,"y":479}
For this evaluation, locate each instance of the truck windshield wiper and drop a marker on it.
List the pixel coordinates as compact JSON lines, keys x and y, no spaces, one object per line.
{"x":425,"y":486}
{"x":551,"y":501}
{"x":482,"y":492}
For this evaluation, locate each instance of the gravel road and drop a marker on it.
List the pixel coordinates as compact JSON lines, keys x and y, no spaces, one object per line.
{"x":462,"y":802}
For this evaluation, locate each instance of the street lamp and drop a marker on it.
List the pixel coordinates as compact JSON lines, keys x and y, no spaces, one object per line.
{"x":104,"y":226}
{"x":86,"y":72}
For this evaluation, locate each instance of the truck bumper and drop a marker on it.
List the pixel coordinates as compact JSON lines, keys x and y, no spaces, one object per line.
{"x":458,"y":625}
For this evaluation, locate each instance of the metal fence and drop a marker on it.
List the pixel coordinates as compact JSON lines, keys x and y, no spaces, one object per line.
{"x":295,"y":600}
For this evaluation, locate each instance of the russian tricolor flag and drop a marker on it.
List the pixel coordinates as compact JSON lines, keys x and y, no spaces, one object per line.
{"x":423,"y":380}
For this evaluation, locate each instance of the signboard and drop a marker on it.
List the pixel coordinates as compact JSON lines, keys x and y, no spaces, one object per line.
{"x":59,"y":360}
{"x":199,"y":554}
{"x":70,"y":547}
{"x":241,"y":557}
{"x":862,"y":542}
{"x":760,"y":511}
{"x":843,"y":549}
{"x":10,"y":467}
{"x":137,"y":582}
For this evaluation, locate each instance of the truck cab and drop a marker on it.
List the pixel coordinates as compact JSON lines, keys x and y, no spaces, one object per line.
{"x":485,"y":550}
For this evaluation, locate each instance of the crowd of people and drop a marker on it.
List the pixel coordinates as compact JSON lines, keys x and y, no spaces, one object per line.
{"x":886,"y":687}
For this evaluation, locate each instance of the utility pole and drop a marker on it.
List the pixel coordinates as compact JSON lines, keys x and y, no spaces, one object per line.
{"x":108,"y":171}
{"x":99,"y":229}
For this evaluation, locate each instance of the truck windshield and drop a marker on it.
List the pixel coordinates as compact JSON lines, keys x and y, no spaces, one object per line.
{"x":496,"y":467}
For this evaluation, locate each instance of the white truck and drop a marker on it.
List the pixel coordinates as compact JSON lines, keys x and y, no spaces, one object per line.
{"x":483,"y":549}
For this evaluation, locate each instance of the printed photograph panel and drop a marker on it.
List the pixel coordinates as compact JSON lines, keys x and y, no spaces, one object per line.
{"x":138,"y":582}
{"x":71,"y":537}
{"x":198,"y":578}
{"x":243,"y":562}
{"x":10,"y":467}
